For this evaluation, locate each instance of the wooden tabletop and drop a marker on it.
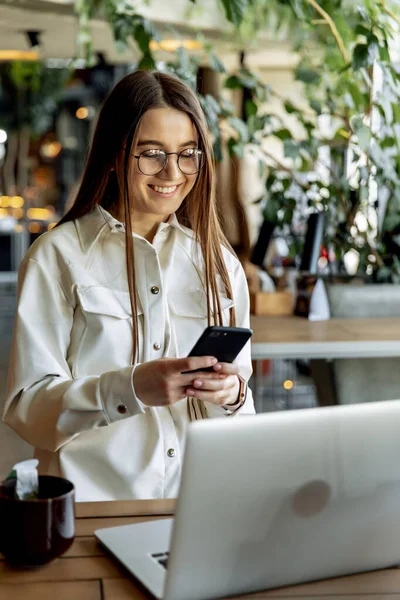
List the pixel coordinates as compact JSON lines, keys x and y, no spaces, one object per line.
{"x":85,"y":572}
{"x":296,"y":337}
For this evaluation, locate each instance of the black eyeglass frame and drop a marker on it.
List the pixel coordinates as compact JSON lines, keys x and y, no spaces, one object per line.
{"x":166,"y":154}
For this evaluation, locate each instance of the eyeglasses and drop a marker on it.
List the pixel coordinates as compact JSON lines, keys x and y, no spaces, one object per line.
{"x":152,"y":162}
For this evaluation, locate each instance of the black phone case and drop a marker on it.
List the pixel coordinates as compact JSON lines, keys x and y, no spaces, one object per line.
{"x":224,"y":343}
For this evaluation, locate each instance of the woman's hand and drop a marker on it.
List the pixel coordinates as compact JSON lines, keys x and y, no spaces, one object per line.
{"x":222,"y":390}
{"x":162,"y":382}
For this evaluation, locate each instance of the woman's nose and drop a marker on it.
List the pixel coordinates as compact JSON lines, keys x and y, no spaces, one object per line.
{"x":171,"y":170}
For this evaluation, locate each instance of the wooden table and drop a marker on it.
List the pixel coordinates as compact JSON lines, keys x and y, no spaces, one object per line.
{"x":296,"y":337}
{"x":85,"y":572}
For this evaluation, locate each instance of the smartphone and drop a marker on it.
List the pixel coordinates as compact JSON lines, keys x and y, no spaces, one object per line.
{"x":224,"y":343}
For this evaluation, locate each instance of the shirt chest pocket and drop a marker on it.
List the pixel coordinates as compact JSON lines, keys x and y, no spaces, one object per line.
{"x":188,"y":313}
{"x":104,"y":319}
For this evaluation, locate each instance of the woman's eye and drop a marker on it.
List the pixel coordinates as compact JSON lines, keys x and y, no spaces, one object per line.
{"x":189,"y":153}
{"x":152,"y":153}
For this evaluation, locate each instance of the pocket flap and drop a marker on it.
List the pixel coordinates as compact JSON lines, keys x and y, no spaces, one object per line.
{"x":104,"y":301}
{"x":194,"y":304}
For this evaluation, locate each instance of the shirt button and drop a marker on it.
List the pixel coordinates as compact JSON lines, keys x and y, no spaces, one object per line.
{"x":171,"y":452}
{"x":121,"y":408}
{"x":156,"y":345}
{"x":154,"y":289}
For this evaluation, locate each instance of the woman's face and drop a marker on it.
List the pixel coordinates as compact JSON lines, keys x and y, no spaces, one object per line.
{"x":161,"y":194}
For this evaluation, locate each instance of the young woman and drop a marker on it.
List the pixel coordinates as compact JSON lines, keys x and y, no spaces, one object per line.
{"x":112,"y":300}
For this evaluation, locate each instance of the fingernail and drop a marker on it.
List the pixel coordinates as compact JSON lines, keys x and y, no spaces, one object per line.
{"x":190,"y":392}
{"x":218,"y":366}
{"x":214,"y":360}
{"x":198,"y":383}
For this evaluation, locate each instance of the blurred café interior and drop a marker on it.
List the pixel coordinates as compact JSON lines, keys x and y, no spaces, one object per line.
{"x":304,"y":113}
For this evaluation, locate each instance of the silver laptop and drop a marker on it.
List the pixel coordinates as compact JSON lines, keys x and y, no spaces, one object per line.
{"x":273,"y":500}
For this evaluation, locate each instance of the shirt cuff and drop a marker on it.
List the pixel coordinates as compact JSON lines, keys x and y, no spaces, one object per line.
{"x":119,"y":397}
{"x":142,"y":405}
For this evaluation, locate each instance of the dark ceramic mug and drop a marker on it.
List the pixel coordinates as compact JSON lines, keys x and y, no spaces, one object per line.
{"x":34,"y":532}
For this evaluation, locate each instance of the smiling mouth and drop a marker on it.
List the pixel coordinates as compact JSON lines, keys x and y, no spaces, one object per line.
{"x":165,"y":190}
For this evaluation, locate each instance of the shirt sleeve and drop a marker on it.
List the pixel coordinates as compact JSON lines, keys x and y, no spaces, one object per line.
{"x":45,"y":405}
{"x":242,"y":308}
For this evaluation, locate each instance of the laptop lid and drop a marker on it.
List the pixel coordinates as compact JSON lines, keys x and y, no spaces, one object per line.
{"x":283,"y":498}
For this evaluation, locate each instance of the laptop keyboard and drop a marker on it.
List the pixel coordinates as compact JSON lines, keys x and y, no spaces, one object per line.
{"x":161,"y":558}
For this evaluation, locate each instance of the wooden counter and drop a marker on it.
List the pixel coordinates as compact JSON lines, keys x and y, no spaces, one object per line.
{"x":85,"y":572}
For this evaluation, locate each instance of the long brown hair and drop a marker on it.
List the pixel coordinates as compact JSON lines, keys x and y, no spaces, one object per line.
{"x":117,"y":124}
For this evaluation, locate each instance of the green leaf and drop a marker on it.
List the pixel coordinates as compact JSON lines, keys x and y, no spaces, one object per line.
{"x":364,"y":137}
{"x":143,"y":32}
{"x":364,"y":55}
{"x":388,"y":142}
{"x":235,"y":10}
{"x":227,"y":107}
{"x":255,"y":124}
{"x":147,"y":62}
{"x":233,"y":83}
{"x":250,"y":108}
{"x":283,"y":134}
{"x":183,"y":58}
{"x":391,"y":221}
{"x":212,"y":102}
{"x":290,"y":109}
{"x":317,"y":106}
{"x":358,"y":97}
{"x":307,"y":75}
{"x":384,"y":54}
{"x":361,"y":30}
{"x":360,"y":57}
{"x":235,"y":148}
{"x":271,"y":210}
{"x":291,"y":149}
{"x":231,"y":145}
{"x":297,"y":8}
{"x":216,"y":64}
{"x":396,"y":112}
{"x":241,"y":128}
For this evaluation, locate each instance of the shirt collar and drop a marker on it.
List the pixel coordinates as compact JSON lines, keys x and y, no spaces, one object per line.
{"x":91,"y":225}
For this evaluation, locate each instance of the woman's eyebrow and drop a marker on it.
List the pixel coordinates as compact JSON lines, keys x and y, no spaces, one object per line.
{"x":149,"y":143}
{"x":156,"y":143}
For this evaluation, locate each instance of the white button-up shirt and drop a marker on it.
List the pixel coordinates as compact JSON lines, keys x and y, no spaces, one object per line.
{"x":70,"y":389}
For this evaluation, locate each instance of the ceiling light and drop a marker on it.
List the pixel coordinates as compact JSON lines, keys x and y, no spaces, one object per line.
{"x":40,"y":214}
{"x":50,"y":149}
{"x":14,"y":201}
{"x":19,"y":55}
{"x":35,"y":227}
{"x":82,"y":112}
{"x":3,"y":136}
{"x":173,"y":45}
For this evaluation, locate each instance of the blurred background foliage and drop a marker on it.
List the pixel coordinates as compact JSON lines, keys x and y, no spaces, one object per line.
{"x":346,"y":161}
